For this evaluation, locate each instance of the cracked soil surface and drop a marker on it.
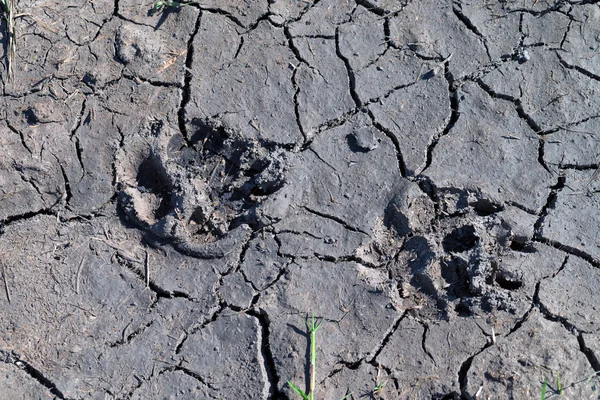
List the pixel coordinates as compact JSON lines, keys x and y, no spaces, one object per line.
{"x":179,"y":189}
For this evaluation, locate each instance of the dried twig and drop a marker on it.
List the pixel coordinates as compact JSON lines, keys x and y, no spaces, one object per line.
{"x":78,"y":276}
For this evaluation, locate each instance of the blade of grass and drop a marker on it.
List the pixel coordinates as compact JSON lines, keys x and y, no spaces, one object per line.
{"x":312,"y":329}
{"x":380,"y":386}
{"x":593,"y":380}
{"x":298,"y":391}
{"x":544,"y":388}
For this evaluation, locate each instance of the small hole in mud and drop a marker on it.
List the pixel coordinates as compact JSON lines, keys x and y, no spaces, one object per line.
{"x":484,"y":207}
{"x":156,"y":127}
{"x":260,"y":191}
{"x":516,"y":246}
{"x":393,"y":218}
{"x":525,"y":363}
{"x":456,"y":277}
{"x":460,"y":239}
{"x":523,"y":247}
{"x":266,"y":188}
{"x":152,"y":178}
{"x":238,"y":198}
{"x":506,"y":283}
{"x":30,"y":117}
{"x":208,"y":137}
{"x":198,"y":217}
{"x":463,"y":309}
{"x":353,"y":365}
{"x":89,"y":79}
{"x":256,"y":167}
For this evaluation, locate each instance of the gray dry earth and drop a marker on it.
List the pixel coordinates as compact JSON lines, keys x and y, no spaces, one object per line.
{"x":179,"y":190}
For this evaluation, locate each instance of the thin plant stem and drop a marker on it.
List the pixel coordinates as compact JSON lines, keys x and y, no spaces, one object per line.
{"x":312,"y":328}
{"x":544,"y":388}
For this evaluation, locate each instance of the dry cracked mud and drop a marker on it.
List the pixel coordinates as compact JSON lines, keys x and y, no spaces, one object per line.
{"x":179,"y":189}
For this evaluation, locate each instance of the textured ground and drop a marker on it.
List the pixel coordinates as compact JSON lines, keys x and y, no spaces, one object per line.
{"x":179,"y":189}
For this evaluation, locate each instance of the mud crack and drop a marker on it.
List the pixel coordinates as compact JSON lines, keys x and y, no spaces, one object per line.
{"x":268,"y":361}
{"x":455,"y":114}
{"x":12,"y":358}
{"x":349,"y":70}
{"x":187,"y":79}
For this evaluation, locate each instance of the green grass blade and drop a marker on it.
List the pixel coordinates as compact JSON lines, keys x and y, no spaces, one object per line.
{"x":312,"y":325}
{"x":312,"y":329}
{"x":544,"y":388}
{"x":593,"y":381}
{"x":558,"y":384}
{"x":297,"y":390}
